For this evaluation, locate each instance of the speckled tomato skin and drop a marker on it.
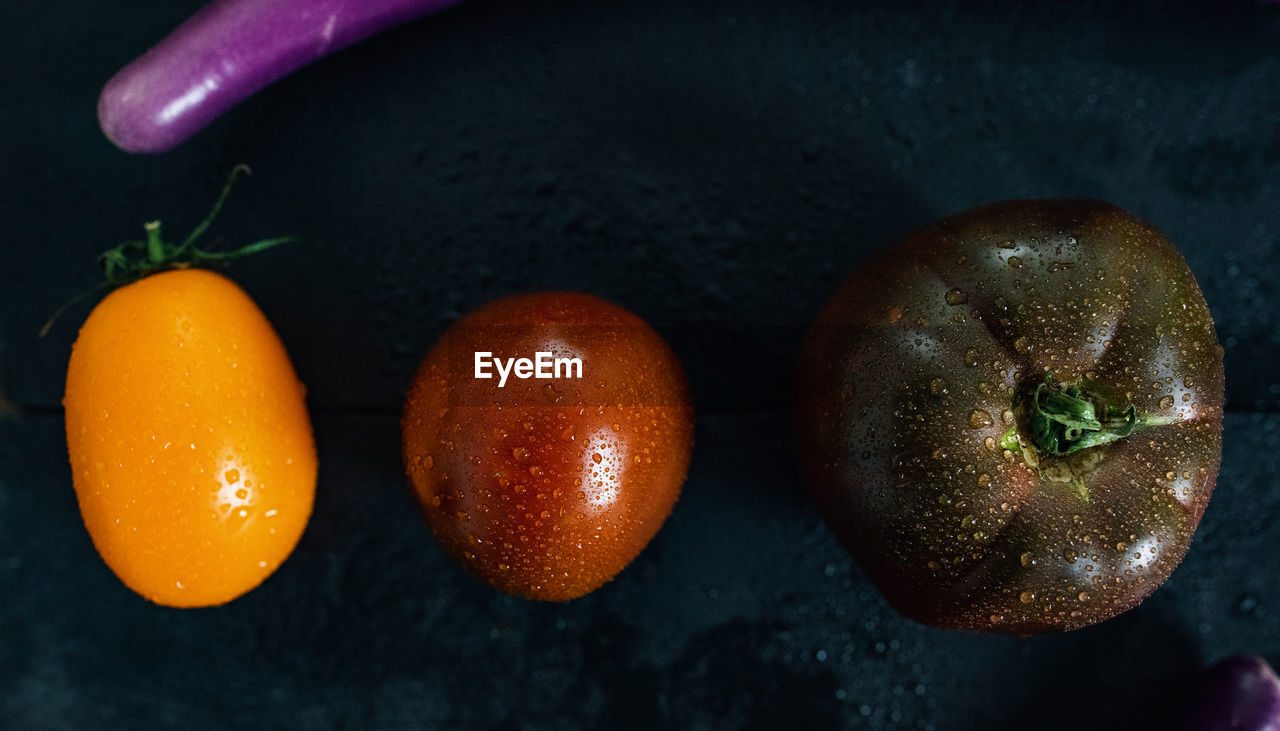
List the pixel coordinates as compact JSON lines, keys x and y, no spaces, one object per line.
{"x":547,"y":489}
{"x":912,"y":374}
{"x":190,"y":443}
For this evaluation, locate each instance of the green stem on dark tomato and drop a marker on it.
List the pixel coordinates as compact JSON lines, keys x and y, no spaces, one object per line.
{"x":1062,"y":421}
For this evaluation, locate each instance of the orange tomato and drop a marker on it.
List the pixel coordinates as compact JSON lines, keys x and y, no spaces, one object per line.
{"x":548,"y":487}
{"x":191,"y":448}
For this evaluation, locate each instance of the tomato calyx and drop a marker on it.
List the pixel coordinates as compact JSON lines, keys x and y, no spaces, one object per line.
{"x":134,"y":260}
{"x":1065,"y":419}
{"x":1057,"y":427}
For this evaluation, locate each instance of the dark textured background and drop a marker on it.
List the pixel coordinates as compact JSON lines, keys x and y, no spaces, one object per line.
{"x":715,"y":166}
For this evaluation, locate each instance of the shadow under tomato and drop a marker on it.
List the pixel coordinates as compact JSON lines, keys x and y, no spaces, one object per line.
{"x":1121,"y":674}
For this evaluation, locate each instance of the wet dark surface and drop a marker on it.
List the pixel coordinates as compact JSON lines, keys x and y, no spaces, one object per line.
{"x":717,"y":168}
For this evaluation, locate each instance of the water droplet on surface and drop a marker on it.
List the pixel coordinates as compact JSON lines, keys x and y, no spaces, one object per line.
{"x":956,"y":297}
{"x":1166,"y":402}
{"x":520,"y":454}
{"x":1025,"y":559}
{"x":1248,"y":604}
{"x":1015,"y":262}
{"x":937,"y":386}
{"x":232,"y":476}
{"x":1007,"y":244}
{"x":1026,"y":597}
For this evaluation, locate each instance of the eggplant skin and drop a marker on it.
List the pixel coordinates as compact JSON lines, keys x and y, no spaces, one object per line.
{"x":917,"y":374}
{"x":225,"y":53}
{"x":1238,"y":694}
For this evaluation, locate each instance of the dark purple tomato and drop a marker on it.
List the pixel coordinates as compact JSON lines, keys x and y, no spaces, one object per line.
{"x":1013,"y":418}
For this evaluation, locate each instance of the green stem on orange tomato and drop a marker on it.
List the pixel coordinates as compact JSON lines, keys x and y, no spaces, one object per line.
{"x":133,"y":260}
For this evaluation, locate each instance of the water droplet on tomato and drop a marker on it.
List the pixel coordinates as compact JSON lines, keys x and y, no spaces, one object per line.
{"x":979,"y":418}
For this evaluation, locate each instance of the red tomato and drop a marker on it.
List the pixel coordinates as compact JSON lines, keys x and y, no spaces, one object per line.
{"x":548,"y":487}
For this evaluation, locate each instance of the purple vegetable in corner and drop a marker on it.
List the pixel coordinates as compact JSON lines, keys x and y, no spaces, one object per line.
{"x":1237,"y":694}
{"x":228,"y":51}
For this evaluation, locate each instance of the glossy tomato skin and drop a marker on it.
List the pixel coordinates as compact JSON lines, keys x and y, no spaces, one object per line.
{"x":547,"y":488}
{"x":190,"y":443}
{"x":917,"y":374}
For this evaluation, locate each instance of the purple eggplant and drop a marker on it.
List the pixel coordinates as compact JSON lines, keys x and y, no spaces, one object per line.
{"x":228,"y":51}
{"x":1237,"y":694}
